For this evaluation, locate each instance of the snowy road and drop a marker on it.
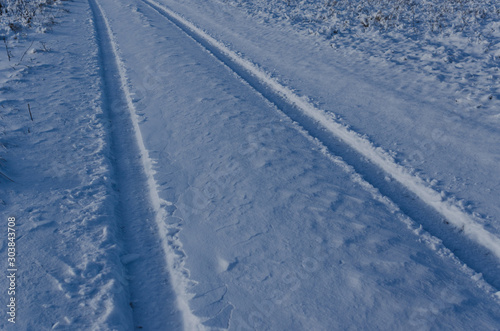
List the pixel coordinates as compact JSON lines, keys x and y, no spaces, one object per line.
{"x":275,"y":230}
{"x":239,"y":204}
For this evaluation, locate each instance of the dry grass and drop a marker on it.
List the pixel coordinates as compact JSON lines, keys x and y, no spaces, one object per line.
{"x":354,"y":16}
{"x":19,"y":14}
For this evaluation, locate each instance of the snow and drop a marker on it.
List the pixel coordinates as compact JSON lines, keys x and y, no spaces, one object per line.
{"x":416,"y":124}
{"x":414,"y":184}
{"x":105,"y":35}
{"x":69,"y":270}
{"x":453,"y":42}
{"x":191,"y":165}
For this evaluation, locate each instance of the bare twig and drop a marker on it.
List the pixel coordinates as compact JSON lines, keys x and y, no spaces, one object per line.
{"x":9,"y":55}
{"x":5,"y":176}
{"x":29,"y":109}
{"x":44,"y":46}
{"x":1,"y":173}
{"x":26,"y":51}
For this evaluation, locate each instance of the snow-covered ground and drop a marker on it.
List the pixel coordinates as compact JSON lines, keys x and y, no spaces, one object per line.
{"x":69,"y":273}
{"x":453,"y":43}
{"x":192,"y":165}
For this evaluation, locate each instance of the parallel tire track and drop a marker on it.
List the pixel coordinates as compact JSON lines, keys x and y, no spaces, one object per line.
{"x":157,"y":279}
{"x":466,"y":238}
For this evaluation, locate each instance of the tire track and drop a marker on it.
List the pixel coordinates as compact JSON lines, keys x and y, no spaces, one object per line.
{"x":157,"y":279}
{"x":465,"y":237}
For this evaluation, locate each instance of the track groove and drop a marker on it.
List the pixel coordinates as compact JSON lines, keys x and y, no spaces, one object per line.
{"x":157,"y":282}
